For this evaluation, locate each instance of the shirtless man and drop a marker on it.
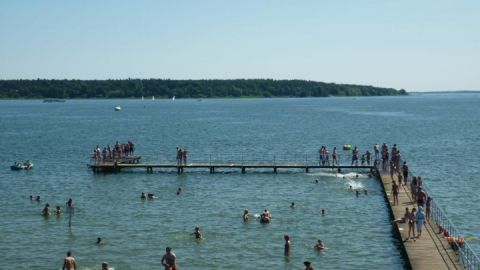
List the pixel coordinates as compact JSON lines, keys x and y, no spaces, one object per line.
{"x":69,"y":262}
{"x":169,"y":260}
{"x":245,"y":215}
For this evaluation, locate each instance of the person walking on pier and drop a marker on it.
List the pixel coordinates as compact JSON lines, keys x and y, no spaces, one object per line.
{"x":395,"y":192}
{"x":427,"y":208}
{"x":420,"y":219}
{"x":411,"y":223}
{"x":405,"y":171}
{"x":368,"y":156}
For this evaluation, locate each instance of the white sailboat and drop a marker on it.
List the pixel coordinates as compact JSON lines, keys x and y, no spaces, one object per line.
{"x":173,"y":98}
{"x":153,"y":98}
{"x":142,"y":98}
{"x":117,"y":108}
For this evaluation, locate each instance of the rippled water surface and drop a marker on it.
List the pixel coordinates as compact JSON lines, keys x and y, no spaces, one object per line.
{"x":437,"y":134}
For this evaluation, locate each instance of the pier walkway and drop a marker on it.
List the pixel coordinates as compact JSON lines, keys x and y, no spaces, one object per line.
{"x":431,"y":250}
{"x":109,"y":167}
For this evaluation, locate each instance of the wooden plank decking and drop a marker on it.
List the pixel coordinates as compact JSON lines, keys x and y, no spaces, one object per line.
{"x":117,"y":167}
{"x":431,"y":250}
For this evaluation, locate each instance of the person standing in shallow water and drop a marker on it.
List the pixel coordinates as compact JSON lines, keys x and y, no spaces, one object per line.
{"x":197,"y":233}
{"x":69,"y":262}
{"x":287,"y":245}
{"x":169,"y":260}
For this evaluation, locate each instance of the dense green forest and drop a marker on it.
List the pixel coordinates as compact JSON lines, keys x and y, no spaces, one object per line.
{"x":130,"y":88}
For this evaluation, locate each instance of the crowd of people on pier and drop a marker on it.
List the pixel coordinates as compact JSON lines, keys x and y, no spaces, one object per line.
{"x":118,"y":151}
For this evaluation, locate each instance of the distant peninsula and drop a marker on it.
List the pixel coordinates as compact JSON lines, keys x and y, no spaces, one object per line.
{"x":165,"y":88}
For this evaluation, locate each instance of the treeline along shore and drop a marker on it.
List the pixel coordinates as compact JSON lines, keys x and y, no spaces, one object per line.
{"x":165,"y":88}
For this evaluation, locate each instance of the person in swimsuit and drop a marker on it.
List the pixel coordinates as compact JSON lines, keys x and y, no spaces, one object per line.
{"x":319,"y":246}
{"x":169,"y":260}
{"x":151,"y":196}
{"x":420,"y":197}
{"x":420,"y":219}
{"x":405,"y":171}
{"x":197,"y":233}
{"x":404,"y":218}
{"x":395,"y":192}
{"x":292,"y":205}
{"x":308,"y":265}
{"x":69,"y":262}
{"x":69,"y":203}
{"x":287,"y":245}
{"x":245,"y":215}
{"x":427,"y":207}
{"x":46,"y":210}
{"x":334,"y":156}
{"x":179,"y":190}
{"x":58,"y":211}
{"x":104,"y":266}
{"x":411,"y":223}
{"x":143,"y":196}
{"x":323,"y":212}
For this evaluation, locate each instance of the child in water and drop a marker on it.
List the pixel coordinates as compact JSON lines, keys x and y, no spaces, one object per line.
{"x":197,"y":233}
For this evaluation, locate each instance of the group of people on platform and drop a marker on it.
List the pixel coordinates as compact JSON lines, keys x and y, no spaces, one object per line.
{"x":181,"y":156}
{"x":324,"y":156}
{"x":118,"y":151}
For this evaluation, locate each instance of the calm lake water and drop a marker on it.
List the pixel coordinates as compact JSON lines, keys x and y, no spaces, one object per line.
{"x":437,"y":134}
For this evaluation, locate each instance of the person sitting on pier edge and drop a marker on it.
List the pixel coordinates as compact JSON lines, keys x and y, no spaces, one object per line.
{"x":404,"y":218}
{"x":143,"y":196}
{"x":245,"y":215}
{"x":197,"y":233}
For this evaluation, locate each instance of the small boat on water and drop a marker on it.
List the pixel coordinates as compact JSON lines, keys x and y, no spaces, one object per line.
{"x":50,"y":100}
{"x":25,"y":166}
{"x":117,"y":108}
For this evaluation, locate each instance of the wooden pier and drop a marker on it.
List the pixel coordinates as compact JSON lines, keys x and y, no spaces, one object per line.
{"x":431,"y":250}
{"x":115,"y":167}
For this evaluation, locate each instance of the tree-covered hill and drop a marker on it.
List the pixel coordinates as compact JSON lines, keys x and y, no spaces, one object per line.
{"x":130,"y":88}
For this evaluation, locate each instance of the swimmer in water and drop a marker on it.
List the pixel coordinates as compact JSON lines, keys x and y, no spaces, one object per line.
{"x":287,"y":245}
{"x":319,"y":245}
{"x":356,"y":175}
{"x":357,"y":193}
{"x":292,"y":205}
{"x":351,"y":188}
{"x":151,"y":196}
{"x":46,"y":210}
{"x":179,"y":190}
{"x":197,"y":233}
{"x":308,"y":265}
{"x":143,"y":196}
{"x":58,"y":211}
{"x":316,"y":181}
{"x":38,"y":198}
{"x":245,"y":215}
{"x":104,"y":266}
{"x":323,"y":212}
{"x":365,"y":192}
{"x":99,"y":241}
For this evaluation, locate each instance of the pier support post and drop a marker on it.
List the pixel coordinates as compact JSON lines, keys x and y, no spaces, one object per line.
{"x":306,"y":169}
{"x":243,"y":170}
{"x":274,"y":169}
{"x":212,"y":170}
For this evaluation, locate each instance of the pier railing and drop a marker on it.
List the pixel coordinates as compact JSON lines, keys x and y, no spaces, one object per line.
{"x":250,"y":158}
{"x":468,"y":257}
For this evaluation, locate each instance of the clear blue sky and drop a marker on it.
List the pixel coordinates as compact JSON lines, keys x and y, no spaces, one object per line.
{"x":416,"y":45}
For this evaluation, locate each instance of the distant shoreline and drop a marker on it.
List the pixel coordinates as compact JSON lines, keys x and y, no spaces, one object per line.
{"x":197,"y":89}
